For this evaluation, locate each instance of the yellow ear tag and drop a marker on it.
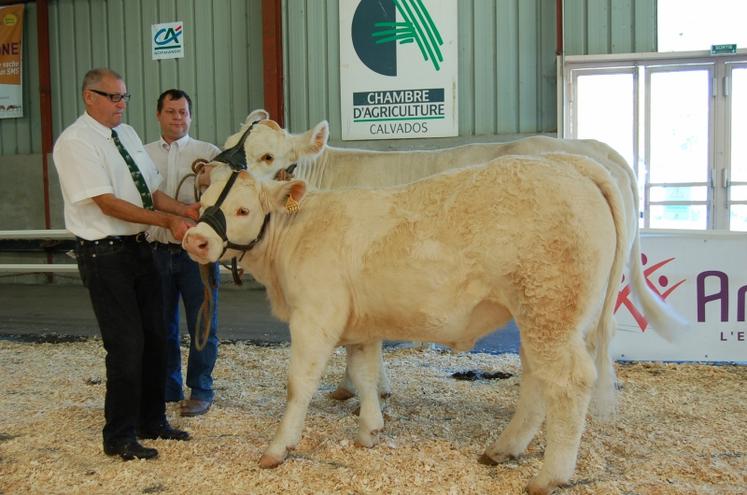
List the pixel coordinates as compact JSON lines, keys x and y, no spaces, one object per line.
{"x":291,"y":205}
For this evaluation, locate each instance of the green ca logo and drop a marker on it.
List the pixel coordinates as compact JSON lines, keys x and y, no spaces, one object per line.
{"x":376,"y":33}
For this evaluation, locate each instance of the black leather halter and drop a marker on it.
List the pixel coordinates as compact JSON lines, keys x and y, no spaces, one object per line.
{"x":234,"y":157}
{"x":214,"y":217}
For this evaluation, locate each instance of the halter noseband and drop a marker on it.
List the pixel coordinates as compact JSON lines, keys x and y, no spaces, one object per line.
{"x":234,"y":157}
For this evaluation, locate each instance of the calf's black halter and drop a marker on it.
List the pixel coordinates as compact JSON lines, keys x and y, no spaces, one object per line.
{"x":234,"y":157}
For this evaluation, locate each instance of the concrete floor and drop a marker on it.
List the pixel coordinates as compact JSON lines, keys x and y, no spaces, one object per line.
{"x":58,"y":312}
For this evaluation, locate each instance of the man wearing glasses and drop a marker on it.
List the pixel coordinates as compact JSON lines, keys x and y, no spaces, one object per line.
{"x":109,"y":187}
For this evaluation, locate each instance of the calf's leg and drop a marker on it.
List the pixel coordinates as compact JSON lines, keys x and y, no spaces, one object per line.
{"x":310,"y":351}
{"x":567,"y":377}
{"x":363,"y":361}
{"x":346,"y":389}
{"x":527,"y":419}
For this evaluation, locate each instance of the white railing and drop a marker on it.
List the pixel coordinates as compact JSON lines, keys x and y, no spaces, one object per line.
{"x":50,"y":234}
{"x":44,"y":235}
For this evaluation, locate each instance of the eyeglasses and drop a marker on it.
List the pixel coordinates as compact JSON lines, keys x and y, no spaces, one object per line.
{"x":113,"y":97}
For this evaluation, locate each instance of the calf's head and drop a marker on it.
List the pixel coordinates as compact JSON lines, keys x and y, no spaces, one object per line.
{"x":268,"y":148}
{"x":235,"y":212}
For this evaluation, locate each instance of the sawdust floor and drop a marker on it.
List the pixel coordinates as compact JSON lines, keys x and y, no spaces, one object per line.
{"x":681,"y":429}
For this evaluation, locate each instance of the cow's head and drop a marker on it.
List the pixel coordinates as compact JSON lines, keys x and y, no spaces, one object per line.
{"x":235,"y":212}
{"x":268,"y":148}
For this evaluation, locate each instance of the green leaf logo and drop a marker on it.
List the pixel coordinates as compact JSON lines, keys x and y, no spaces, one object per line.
{"x":418,"y":27}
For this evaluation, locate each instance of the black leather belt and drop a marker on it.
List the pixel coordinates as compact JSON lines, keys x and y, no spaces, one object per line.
{"x":114,"y":240}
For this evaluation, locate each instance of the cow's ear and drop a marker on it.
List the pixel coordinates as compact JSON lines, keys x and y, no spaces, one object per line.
{"x":258,"y":114}
{"x":313,"y":141}
{"x":287,"y":195}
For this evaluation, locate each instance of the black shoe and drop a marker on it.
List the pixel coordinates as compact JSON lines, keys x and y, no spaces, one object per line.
{"x":164,"y":431}
{"x":129,"y":449}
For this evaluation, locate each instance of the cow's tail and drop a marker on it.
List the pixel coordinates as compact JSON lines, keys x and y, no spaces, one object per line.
{"x":660,"y":316}
{"x":604,"y":398}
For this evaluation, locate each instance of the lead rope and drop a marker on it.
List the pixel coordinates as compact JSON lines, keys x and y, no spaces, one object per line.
{"x":204,"y":315}
{"x":207,"y":272}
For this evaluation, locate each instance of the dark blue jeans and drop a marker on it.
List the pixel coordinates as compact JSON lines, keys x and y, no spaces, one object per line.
{"x":180,"y":278}
{"x":125,"y":294}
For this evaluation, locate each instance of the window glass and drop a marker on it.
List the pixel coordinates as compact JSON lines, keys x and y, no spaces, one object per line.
{"x":697,"y":193}
{"x":739,"y":125}
{"x":738,"y":220}
{"x":679,"y":126}
{"x":605,"y":111}
{"x":689,"y":217}
{"x":738,"y":193}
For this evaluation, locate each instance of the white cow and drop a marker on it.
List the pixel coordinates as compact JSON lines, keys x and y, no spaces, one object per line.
{"x":446,"y":259}
{"x":268,"y":149}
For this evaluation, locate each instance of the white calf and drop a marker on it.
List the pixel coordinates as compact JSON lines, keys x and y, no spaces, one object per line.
{"x":447,"y":259}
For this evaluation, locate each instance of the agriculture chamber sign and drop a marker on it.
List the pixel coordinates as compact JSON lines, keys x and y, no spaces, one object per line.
{"x":398,"y":69}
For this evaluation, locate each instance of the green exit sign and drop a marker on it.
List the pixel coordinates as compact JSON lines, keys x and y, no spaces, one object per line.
{"x":722,"y":49}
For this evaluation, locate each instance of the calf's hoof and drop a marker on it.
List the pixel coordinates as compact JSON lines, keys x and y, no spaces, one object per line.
{"x":496,"y":458}
{"x":341,"y":393}
{"x":268,"y":461}
{"x":536,"y":488}
{"x":367,"y":440}
{"x":542,"y":484}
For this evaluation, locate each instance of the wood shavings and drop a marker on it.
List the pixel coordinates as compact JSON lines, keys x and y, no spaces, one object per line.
{"x":680,"y":429}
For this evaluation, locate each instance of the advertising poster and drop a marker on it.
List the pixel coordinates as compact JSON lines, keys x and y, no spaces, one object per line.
{"x":398,"y":69}
{"x":703,"y":276}
{"x":11,"y":37}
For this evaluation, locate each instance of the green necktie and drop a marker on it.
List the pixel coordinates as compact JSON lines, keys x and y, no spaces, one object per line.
{"x":137,"y":177}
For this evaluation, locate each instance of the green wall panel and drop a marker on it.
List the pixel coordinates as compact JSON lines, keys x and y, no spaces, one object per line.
{"x":506,"y":60}
{"x":221,"y":69}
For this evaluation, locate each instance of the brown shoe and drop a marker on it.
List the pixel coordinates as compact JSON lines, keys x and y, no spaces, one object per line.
{"x":195,"y":407}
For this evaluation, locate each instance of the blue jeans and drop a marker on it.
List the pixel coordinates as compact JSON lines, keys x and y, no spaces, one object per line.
{"x":180,"y":277}
{"x":126,"y":298}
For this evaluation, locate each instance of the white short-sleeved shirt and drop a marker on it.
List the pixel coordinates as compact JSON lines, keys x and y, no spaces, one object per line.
{"x":89,"y":165}
{"x":174,"y":162}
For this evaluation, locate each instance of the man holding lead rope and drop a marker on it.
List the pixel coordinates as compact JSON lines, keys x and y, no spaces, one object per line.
{"x":174,"y":155}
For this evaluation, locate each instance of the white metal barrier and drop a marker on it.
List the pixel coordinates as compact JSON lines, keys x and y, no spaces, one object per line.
{"x":43,"y":235}
{"x":50,"y":234}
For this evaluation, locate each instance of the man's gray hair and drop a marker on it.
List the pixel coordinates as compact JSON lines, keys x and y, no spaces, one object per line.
{"x":94,"y":76}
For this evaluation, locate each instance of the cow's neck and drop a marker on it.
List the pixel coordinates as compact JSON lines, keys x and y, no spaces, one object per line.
{"x":261,"y":264}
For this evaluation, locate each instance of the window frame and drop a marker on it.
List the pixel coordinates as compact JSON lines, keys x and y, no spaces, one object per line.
{"x":642,"y":65}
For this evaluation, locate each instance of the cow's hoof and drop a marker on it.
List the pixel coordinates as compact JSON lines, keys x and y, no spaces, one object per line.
{"x":496,"y":458}
{"x":544,"y":485}
{"x":269,"y":462}
{"x":535,"y":488}
{"x":385,"y":394}
{"x":367,"y":440}
{"x":341,"y":394}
